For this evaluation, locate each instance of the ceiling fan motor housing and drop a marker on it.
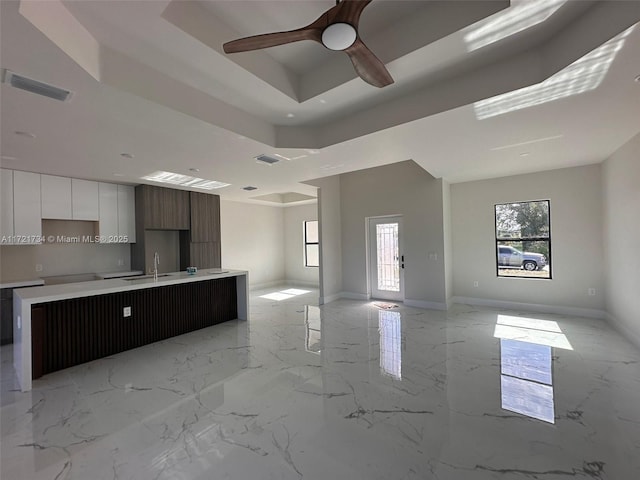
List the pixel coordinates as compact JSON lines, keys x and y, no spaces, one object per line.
{"x":339,"y":36}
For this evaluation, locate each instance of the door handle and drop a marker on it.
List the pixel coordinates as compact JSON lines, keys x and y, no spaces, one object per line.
{"x":402,"y":260}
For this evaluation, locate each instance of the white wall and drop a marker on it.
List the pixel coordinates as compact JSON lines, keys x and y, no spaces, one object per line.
{"x":576,"y":239}
{"x":448,"y":241}
{"x":18,"y":262}
{"x":398,"y":189}
{"x":329,"y":217}
{"x":253,"y":239}
{"x":295,"y":271}
{"x":621,"y":199}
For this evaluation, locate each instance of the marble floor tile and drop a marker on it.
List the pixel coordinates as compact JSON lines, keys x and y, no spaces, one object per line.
{"x":344,"y":390}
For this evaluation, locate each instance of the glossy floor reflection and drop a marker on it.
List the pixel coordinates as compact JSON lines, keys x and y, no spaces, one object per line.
{"x":345,"y":390}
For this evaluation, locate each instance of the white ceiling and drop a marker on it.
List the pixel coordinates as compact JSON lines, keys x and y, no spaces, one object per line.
{"x":149,"y":78}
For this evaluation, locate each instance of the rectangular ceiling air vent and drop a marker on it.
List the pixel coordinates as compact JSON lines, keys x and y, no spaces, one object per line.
{"x":34,"y":86}
{"x":249,"y":188}
{"x":266,"y":159}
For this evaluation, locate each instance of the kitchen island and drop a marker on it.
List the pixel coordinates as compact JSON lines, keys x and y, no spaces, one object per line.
{"x":58,"y":326}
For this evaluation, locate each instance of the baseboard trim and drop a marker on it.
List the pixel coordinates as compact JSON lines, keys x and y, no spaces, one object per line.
{"x":329,"y":299}
{"x":354,"y":296}
{"x":301,"y":283}
{"x":365,"y":297}
{"x":347,"y":295}
{"x":424,"y":304}
{"x":623,"y":329}
{"x":533,"y":307}
{"x":261,"y":286}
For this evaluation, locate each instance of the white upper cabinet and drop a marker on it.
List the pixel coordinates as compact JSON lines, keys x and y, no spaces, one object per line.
{"x":56,"y":197}
{"x":84,"y":200}
{"x":28,"y":198}
{"x":6,"y":206}
{"x":27,"y":215}
{"x":127,"y":213}
{"x":108,"y":224}
{"x":117,"y":213}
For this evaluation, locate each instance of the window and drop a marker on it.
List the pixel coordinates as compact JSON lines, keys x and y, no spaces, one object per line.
{"x":523,"y":239}
{"x":311,"y":247}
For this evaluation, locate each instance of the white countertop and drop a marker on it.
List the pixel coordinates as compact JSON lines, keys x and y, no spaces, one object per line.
{"x":50,"y":293}
{"x":21,"y":283}
{"x":106,"y":275}
{"x":25,"y":298}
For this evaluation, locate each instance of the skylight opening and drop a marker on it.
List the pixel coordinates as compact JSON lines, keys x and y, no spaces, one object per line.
{"x":172,"y":178}
{"x":522,"y":14}
{"x":583,"y":75}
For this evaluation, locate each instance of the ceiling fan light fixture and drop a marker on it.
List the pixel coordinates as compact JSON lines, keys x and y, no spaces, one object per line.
{"x":337,"y":30}
{"x":339,"y":36}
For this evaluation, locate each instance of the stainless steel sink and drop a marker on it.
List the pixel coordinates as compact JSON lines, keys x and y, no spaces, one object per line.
{"x":145,"y":277}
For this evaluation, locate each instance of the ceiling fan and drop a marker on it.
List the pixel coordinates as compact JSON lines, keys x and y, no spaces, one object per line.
{"x":336,"y":29}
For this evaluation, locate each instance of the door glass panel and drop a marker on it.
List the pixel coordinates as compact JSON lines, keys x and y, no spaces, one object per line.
{"x":388,"y":257}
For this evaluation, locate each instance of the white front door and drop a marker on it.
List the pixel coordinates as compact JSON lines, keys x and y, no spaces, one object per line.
{"x":386,"y":260}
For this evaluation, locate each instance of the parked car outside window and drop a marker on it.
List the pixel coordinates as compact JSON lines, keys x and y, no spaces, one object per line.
{"x":509,"y":257}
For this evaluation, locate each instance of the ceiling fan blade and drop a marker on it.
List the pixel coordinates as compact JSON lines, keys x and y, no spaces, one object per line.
{"x":350,"y":10}
{"x":368,"y":66}
{"x":272,"y":39}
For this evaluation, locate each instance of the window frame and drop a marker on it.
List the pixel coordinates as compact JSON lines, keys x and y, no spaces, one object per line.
{"x":520,"y":239}
{"x":306,"y":243}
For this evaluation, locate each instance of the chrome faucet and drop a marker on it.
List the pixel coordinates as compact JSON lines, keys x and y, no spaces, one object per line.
{"x":156,"y":262}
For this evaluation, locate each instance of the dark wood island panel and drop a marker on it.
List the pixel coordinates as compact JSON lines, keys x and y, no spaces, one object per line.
{"x":77,"y":330}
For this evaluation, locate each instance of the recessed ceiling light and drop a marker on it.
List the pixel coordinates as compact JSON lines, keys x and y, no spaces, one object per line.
{"x":322,"y":101}
{"x":9,"y":157}
{"x":118,"y":175}
{"x":194,"y":170}
{"x":24,"y":134}
{"x":637,"y":79}
{"x":524,"y":154}
{"x":290,"y":115}
{"x":126,"y":155}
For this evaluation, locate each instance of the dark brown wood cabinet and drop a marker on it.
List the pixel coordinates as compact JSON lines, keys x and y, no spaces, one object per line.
{"x":196,"y":215}
{"x":6,"y":316}
{"x":204,"y":237}
{"x":77,"y":330}
{"x":205,"y":255}
{"x":205,"y":217}
{"x":164,"y":208}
